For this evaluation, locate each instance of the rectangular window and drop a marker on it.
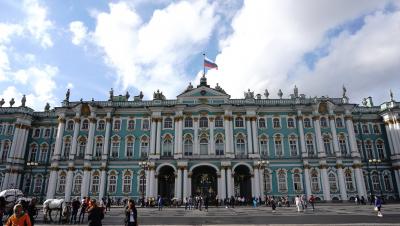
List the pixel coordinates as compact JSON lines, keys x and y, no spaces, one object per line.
{"x":278,"y":148}
{"x":129,"y":149}
{"x":293,"y":147}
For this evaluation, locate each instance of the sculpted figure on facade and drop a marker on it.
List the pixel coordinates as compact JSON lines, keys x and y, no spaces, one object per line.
{"x":12,"y":102}
{"x":248,"y":95}
{"x":280,"y":94}
{"x":47,"y":107}
{"x":266,"y":93}
{"x":23,"y":101}
{"x":67,"y":95}
{"x":2,"y":102}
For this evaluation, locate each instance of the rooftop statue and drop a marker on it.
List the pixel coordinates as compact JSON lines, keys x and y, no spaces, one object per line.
{"x":23,"y":101}
{"x":138,"y":97}
{"x":266,"y":93}
{"x":127,"y":95}
{"x":2,"y":102}
{"x":296,"y":91}
{"x":111,"y":94}
{"x":12,"y":102}
{"x":158,"y":95}
{"x":67,"y":95}
{"x":248,"y":94}
{"x":280,"y":94}
{"x":391,"y":95}
{"x":345,"y":99}
{"x":47,"y":107}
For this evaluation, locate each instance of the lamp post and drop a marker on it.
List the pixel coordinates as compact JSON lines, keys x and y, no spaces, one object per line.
{"x":31,"y":165}
{"x":376,"y":162}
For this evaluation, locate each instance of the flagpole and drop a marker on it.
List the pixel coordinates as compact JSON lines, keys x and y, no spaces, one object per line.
{"x":204,"y":67}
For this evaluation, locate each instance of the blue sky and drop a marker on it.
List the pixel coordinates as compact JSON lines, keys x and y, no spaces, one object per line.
{"x":90,"y":46}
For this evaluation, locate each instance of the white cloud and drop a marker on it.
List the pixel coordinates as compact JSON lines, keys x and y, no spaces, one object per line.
{"x":270,"y":38}
{"x":153,"y":55}
{"x":6,"y":32}
{"x":37,"y":22}
{"x":79,"y":32}
{"x":11,"y":92}
{"x":70,"y":85}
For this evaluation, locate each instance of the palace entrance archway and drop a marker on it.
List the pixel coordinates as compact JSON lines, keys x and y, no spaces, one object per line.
{"x":242,"y":180}
{"x":166,"y":182}
{"x":204,"y":182}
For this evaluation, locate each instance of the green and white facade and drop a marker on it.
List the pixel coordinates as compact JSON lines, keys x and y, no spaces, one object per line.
{"x":203,"y":142}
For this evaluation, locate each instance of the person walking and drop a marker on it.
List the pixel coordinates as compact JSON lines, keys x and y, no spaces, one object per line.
{"x":19,"y":218}
{"x":206,"y":202}
{"x":31,"y":209}
{"x":131,"y":214}
{"x":378,"y":205}
{"x":75,"y":208}
{"x":160,"y":203}
{"x":273,"y":205}
{"x":95,"y":214}
{"x":108,"y":204}
{"x":297,"y":201}
{"x":84,"y":206}
{"x":311,"y":200}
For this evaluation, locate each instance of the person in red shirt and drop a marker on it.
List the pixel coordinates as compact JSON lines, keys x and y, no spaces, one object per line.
{"x":19,"y":218}
{"x":311,"y":200}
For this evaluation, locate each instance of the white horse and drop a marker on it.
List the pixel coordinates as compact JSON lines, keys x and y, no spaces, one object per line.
{"x":54,"y":204}
{"x":10,"y":197}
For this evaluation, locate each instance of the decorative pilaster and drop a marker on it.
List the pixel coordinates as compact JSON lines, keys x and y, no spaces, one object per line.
{"x":103,"y":182}
{"x":185,"y":182}
{"x":68,"y":186}
{"x":158,"y":137}
{"x":152,"y":181}
{"x":307,"y":179}
{"x":106,"y":148}
{"x":342,"y":184}
{"x":301,"y":133}
{"x":179,"y":184}
{"x":262,"y":192}
{"x":361,"y":189}
{"x":352,"y":136}
{"x":153,"y":133}
{"x":256,"y":149}
{"x":256,"y":182}
{"x":86,"y":180}
{"x":223,"y":184}
{"x":334,"y":137}
{"x":89,"y":145}
{"x":318,"y":137}
{"x":229,"y":181}
{"x":196,"y":137}
{"x":325,"y":181}
{"x":75,"y":136}
{"x":212,"y":142}
{"x":249,"y":137}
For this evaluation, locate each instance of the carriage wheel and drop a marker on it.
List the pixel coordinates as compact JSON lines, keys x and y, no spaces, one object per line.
{"x":54,"y":215}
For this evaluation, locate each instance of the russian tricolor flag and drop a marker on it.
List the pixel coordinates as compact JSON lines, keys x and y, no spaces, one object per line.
{"x":209,"y":64}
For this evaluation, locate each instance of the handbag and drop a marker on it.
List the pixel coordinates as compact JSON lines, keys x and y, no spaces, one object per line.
{"x":376,"y":208}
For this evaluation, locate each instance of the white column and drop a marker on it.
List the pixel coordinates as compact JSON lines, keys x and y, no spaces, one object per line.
{"x":51,"y":189}
{"x":361,"y":190}
{"x":255,"y":136}
{"x":68,"y":186}
{"x":148,"y":183}
{"x":307,"y":179}
{"x":14,"y":144}
{"x":153,"y":135}
{"x":75,"y":136}
{"x":103,"y":182}
{"x":352,"y":137}
{"x":249,"y":138}
{"x":395,"y":138}
{"x":185,"y":182}
{"x":325,"y":183}
{"x":158,"y":137}
{"x":180,"y":132}
{"x":342,"y":184}
{"x":176,"y":134}
{"x":223,"y":183}
{"x":152,"y":181}
{"x":86,"y":182}
{"x":89,"y":145}
{"x":211,"y":151}
{"x":229,"y":181}
{"x":196,"y":137}
{"x":397,"y":182}
{"x":257,"y":182}
{"x":334,"y":136}
{"x":301,"y":133}
{"x":318,"y":138}
{"x":106,"y":149}
{"x":5,"y":182}
{"x":155,"y":186}
{"x":189,"y":185}
{"x":261,"y":173}
{"x":228,"y":148}
{"x":179,"y":184}
{"x":253,"y":186}
{"x":390,"y":139}
{"x":219,"y":183}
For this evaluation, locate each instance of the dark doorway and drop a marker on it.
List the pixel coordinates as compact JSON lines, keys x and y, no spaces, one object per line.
{"x":243,"y":182}
{"x":166,"y":182}
{"x":204,"y":182}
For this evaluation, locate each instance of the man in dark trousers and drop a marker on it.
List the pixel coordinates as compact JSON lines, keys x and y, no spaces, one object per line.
{"x":108,"y":205}
{"x":75,"y":208}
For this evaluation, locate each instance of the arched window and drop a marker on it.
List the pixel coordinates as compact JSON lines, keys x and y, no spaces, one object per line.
{"x":297,"y":181}
{"x":219,"y":145}
{"x":332,"y":182}
{"x":387,"y":180}
{"x":219,"y":122}
{"x":375,"y":182}
{"x":70,"y":125}
{"x":44,"y":148}
{"x":307,"y":123}
{"x":314,"y":181}
{"x":188,"y":122}
{"x":142,"y":184}
{"x":27,"y":184}
{"x":365,"y":129}
{"x":203,"y":122}
{"x":77,"y":184}
{"x":342,"y":145}
{"x":240,"y":145}
{"x":95,"y":182}
{"x":112,"y":182}
{"x":267,"y":181}
{"x":168,"y":123}
{"x":38,"y":184}
{"x":36,"y":133}
{"x":349,"y":180}
{"x":33,"y":153}
{"x":339,"y":122}
{"x":310,"y":145}
{"x":130,"y":141}
{"x":85,"y":124}
{"x":264,"y":145}
{"x":67,"y":147}
{"x":290,"y":123}
{"x":167,"y":146}
{"x":369,"y":150}
{"x":115,"y":147}
{"x":328,"y":146}
{"x":61,"y":182}
{"x":101,"y":125}
{"x":117,"y":124}
{"x":377,"y":130}
{"x":188,"y":146}
{"x":203,"y":146}
{"x":323,"y":122}
{"x":293,"y":145}
{"x":81,"y":148}
{"x":144,"y":147}
{"x":131,"y":124}
{"x":6,"y":149}
{"x":10,"y":130}
{"x":239,"y":122}
{"x":99,"y":147}
{"x":282,"y":182}
{"x":127,"y":183}
{"x":47,"y":133}
{"x":278,"y":146}
{"x":261,"y":123}
{"x":276,"y":123}
{"x":145,"y":124}
{"x":380,"y":149}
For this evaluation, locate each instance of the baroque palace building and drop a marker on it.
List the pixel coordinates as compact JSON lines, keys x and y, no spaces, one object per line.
{"x":204,"y":143}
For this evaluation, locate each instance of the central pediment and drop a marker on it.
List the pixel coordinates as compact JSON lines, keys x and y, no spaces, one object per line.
{"x":203,"y":92}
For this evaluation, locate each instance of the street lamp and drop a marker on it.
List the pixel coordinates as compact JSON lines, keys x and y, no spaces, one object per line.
{"x":376,"y":162}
